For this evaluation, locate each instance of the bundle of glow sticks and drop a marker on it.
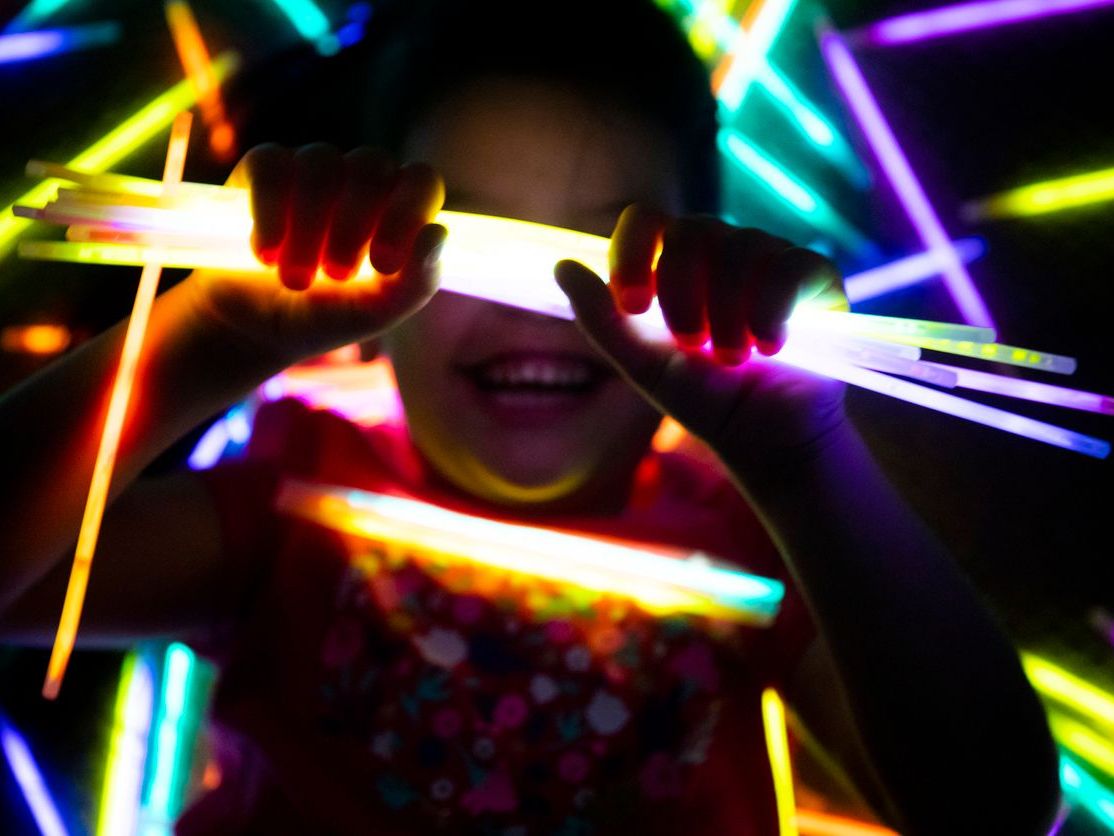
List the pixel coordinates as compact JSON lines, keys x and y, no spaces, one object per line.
{"x":116,"y":219}
{"x":662,"y":581}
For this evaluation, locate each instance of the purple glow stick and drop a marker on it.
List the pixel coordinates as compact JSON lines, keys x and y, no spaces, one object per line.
{"x":896,"y":167}
{"x":966,"y":17}
{"x":1029,"y":390}
{"x":30,"y":781}
{"x":905,"y":272}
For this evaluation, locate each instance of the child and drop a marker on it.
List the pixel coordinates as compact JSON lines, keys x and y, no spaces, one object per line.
{"x":373,"y":700}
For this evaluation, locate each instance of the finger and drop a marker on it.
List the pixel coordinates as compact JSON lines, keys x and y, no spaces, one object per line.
{"x":682,"y":279}
{"x":267,"y":171}
{"x":418,"y":281}
{"x":317,"y":178}
{"x":417,"y":197}
{"x":741,"y":270}
{"x":368,"y":179}
{"x":634,"y":247}
{"x":795,"y":274}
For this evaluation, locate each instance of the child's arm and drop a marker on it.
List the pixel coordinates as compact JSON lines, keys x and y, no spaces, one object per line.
{"x":937,"y":692}
{"x":210,"y":340}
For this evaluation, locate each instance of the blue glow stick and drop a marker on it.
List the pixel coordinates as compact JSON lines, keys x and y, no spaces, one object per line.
{"x":25,"y":46}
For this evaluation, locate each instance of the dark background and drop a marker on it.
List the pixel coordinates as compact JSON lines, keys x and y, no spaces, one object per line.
{"x":976,"y":114}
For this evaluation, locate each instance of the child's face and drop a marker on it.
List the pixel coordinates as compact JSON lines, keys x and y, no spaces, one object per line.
{"x":510,"y":406}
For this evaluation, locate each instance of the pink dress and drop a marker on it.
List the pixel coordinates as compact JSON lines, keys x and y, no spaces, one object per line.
{"x":363,"y":693}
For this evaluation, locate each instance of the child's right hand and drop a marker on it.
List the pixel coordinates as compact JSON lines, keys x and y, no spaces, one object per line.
{"x":315,"y":207}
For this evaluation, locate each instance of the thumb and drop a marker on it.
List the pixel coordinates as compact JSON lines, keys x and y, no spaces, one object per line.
{"x":647,"y":365}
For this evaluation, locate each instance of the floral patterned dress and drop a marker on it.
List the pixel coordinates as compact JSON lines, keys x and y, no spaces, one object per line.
{"x":365,"y":691}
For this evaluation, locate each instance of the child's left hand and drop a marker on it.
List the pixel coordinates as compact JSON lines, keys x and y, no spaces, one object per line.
{"x":737,"y":286}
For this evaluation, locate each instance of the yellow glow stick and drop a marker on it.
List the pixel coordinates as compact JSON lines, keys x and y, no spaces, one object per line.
{"x":1049,"y":196}
{"x":662,"y":581}
{"x":777,"y":747}
{"x":1009,"y":354}
{"x":110,"y":438}
{"x":106,"y":152}
{"x":1083,"y":741}
{"x":1055,"y":683}
{"x":194,"y":56}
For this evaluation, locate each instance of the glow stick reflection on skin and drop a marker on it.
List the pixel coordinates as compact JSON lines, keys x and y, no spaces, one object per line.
{"x":30,"y":780}
{"x":851,"y":83}
{"x":1048,"y":196}
{"x":110,"y":438}
{"x":906,"y":272}
{"x":966,"y":17}
{"x":127,"y":748}
{"x":662,"y":581}
{"x":777,"y":748}
{"x":1055,"y":683}
{"x":117,"y":144}
{"x":26,"y":46}
{"x":195,"y":59}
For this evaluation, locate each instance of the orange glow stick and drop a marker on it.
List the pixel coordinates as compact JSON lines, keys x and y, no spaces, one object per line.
{"x":813,"y":823}
{"x":42,"y":338}
{"x":194,"y":56}
{"x":110,"y":437}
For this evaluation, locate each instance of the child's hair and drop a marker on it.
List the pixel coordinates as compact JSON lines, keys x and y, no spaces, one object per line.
{"x":626,"y":53}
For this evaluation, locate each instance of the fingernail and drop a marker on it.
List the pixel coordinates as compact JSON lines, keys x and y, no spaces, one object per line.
{"x":298,"y":277}
{"x":769,"y":347}
{"x":691,"y":340}
{"x":386,"y":259}
{"x":635,"y":299}
{"x":268,"y":255}
{"x":339,"y":272}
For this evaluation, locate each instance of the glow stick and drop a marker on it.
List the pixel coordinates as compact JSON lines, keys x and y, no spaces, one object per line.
{"x":1048,"y":196}
{"x":33,"y":14}
{"x":210,"y":447}
{"x":943,"y":402}
{"x":170,"y":759}
{"x":42,"y":338}
{"x":1030,"y":390}
{"x":905,"y":272}
{"x":30,"y":781}
{"x":110,"y":438}
{"x":802,"y":200}
{"x":967,"y":17}
{"x":661,"y":580}
{"x":311,"y":24}
{"x":777,"y":748}
{"x":815,"y":823}
{"x":1057,"y":684}
{"x":889,"y":327}
{"x":764,"y":21}
{"x":127,"y":748}
{"x":26,"y":46}
{"x":106,"y":152}
{"x":1084,"y":791}
{"x":1083,"y":742}
{"x":195,"y":59}
{"x":1011,"y":355}
{"x":900,"y":174}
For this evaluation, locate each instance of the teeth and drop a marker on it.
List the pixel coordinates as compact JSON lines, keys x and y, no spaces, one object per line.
{"x":537,"y":373}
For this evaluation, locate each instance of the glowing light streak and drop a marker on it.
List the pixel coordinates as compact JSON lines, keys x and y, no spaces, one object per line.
{"x":777,"y":748}
{"x":163,"y":800}
{"x":900,"y":174}
{"x":198,"y":66}
{"x":30,"y":781}
{"x":311,"y":23}
{"x":661,"y":580}
{"x":815,"y":823}
{"x":1055,"y":683}
{"x":967,"y":17}
{"x":42,"y":338}
{"x":117,"y":144}
{"x":1010,"y":355}
{"x":110,"y":438}
{"x":801,"y":199}
{"x":34,"y":13}
{"x":1048,"y":196}
{"x":27,"y":46}
{"x":127,"y":750}
{"x":905,"y":272}
{"x":737,"y":69}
